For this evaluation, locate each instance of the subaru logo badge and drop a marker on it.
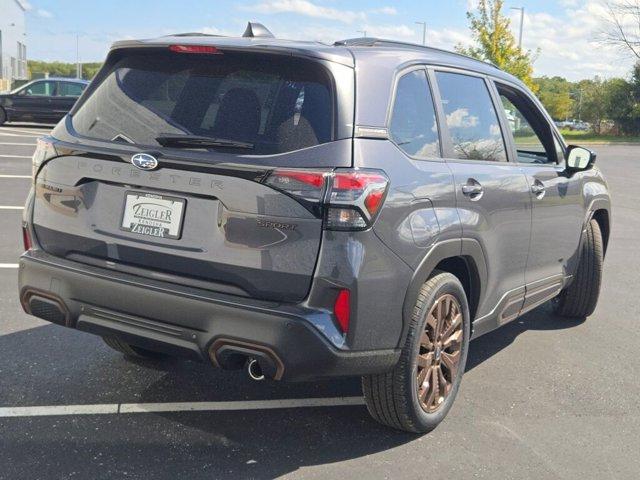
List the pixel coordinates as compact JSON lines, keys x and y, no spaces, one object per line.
{"x":144,"y":161}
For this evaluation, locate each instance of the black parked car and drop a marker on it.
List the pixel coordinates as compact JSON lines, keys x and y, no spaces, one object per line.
{"x":46,"y":100}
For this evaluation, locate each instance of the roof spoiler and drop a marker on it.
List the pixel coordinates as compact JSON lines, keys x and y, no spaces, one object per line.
{"x":257,"y":30}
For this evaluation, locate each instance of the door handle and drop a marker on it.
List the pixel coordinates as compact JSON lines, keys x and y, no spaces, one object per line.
{"x":472,"y":189}
{"x":538,"y":189}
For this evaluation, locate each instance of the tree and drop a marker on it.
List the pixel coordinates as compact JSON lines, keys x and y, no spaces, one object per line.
{"x":495,"y":42}
{"x":61,"y":69}
{"x":623,"y":25}
{"x":555,"y":95}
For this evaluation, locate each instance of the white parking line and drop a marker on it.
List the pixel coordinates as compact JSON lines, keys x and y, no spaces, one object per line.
{"x":16,"y":176}
{"x":27,"y":135}
{"x":5,"y":207}
{"x":18,"y":144}
{"x":8,"y":265}
{"x":19,"y":130}
{"x":16,"y":156}
{"x":125,"y":408}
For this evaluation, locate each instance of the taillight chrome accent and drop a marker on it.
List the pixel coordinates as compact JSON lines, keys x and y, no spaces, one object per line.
{"x":45,"y":149}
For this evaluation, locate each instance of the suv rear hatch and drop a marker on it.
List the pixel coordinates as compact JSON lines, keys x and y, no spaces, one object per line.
{"x":225,"y":208}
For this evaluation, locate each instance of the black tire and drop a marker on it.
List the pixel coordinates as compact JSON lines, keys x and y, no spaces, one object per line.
{"x":3,"y":116}
{"x":132,"y":351}
{"x":392,"y":398}
{"x":579,"y":299}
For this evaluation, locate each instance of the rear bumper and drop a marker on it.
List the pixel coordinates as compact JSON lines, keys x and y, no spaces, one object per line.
{"x":185,"y":321}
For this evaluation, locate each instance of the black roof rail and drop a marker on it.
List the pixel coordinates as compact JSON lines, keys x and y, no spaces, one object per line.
{"x":381,"y":42}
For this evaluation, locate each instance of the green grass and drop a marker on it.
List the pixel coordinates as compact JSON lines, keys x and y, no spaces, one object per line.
{"x":590,"y":137}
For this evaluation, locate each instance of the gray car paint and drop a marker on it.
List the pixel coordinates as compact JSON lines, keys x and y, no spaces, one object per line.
{"x":424,"y":219}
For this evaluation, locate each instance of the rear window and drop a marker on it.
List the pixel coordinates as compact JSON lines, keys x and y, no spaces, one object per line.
{"x":277,"y":104}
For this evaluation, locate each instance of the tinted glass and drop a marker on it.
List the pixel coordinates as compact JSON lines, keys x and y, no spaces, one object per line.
{"x":471,"y":118}
{"x":413,"y":121}
{"x":531,"y":134}
{"x":278,"y":104}
{"x":40,"y":89}
{"x":69,"y":89}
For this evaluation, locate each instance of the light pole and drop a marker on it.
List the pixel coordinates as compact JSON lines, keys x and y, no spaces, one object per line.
{"x":424,"y":32}
{"x":521,"y":24}
{"x":363,"y":32}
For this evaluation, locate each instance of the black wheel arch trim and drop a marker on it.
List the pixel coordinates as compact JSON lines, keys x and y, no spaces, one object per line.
{"x":465,"y":248}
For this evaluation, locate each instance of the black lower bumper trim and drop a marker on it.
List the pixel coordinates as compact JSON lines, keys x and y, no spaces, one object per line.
{"x":187,"y":322}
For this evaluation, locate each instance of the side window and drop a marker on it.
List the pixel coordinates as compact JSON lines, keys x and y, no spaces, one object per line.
{"x":532,"y":135}
{"x":413,"y":120}
{"x":471,"y":117}
{"x":69,"y":89}
{"x":40,"y":89}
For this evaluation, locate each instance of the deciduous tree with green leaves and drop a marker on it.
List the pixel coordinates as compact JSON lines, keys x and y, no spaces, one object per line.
{"x":495,"y":43}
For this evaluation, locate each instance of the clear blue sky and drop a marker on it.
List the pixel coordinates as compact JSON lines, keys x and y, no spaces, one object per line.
{"x":564,"y":31}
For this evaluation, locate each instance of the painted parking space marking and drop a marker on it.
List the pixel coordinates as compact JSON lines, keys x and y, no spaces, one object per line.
{"x":130,"y":408}
{"x":17,"y":144}
{"x":11,"y":207}
{"x":16,"y":156}
{"x":16,"y":176}
{"x":23,"y":131}
{"x":8,"y":265}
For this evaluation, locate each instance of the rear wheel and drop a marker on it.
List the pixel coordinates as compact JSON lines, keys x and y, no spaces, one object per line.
{"x":132,"y":351}
{"x":418,"y":393}
{"x":579,"y":299}
{"x":3,"y":116}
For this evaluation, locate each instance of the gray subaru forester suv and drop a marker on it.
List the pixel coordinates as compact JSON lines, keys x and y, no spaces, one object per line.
{"x":307,"y":211}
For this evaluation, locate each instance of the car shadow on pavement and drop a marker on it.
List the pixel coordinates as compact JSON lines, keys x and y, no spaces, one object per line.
{"x":75,"y":368}
{"x":542,"y":318}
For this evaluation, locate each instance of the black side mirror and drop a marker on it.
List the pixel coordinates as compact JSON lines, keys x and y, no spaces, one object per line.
{"x":579,"y":159}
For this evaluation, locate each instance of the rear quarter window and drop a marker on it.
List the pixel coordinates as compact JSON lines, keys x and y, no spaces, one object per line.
{"x":275,"y":103}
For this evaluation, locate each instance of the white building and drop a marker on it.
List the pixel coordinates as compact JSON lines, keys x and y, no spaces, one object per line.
{"x":13,"y":36}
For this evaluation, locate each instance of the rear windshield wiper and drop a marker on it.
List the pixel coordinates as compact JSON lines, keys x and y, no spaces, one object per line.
{"x":197,"y":141}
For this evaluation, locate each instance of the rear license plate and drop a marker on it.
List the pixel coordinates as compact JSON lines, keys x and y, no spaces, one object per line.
{"x":153,"y":215}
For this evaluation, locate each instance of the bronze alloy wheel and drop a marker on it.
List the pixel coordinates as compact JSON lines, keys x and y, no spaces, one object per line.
{"x":440,"y":352}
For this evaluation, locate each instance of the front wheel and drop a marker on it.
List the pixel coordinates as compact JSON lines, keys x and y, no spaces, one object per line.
{"x":3,"y":116}
{"x":418,"y":393}
{"x":579,"y":299}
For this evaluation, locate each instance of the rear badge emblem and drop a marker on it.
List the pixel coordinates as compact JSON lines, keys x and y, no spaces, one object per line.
{"x":144,"y":161}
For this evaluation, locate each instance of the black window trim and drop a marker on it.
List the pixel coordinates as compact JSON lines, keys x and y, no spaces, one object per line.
{"x":560,"y":165}
{"x":447,"y":143}
{"x":432,"y":92}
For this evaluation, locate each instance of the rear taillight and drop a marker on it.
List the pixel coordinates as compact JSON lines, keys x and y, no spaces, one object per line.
{"x":305,"y":184}
{"x":45,"y":149}
{"x":26,"y":238}
{"x":342,"y":309}
{"x":352,"y":198}
{"x":202,"y":49}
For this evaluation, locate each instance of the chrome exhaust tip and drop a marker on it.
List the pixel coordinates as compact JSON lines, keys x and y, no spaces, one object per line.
{"x":254,"y":370}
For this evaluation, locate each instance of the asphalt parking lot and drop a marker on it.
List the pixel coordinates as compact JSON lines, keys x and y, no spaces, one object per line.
{"x":542,"y":397}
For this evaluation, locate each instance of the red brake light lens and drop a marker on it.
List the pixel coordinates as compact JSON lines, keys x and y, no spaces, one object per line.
{"x":205,"y":49}
{"x":342,"y":310}
{"x":26,"y":239}
{"x":306,"y":184}
{"x":355,"y":198}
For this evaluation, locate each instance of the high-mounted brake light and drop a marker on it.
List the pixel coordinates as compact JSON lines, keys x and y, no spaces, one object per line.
{"x":206,"y":49}
{"x":342,"y":309}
